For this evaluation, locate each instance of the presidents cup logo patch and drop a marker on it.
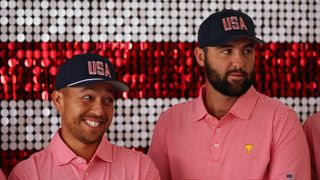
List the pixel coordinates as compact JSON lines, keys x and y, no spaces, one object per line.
{"x":249,"y":148}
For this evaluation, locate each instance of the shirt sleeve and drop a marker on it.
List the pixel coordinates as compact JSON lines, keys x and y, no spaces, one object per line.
{"x":289,"y":154}
{"x":158,"y":149}
{"x":311,"y":128}
{"x":148,"y":170}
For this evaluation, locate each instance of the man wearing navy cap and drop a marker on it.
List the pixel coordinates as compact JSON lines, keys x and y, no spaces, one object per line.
{"x":84,"y":96}
{"x":230,"y":131}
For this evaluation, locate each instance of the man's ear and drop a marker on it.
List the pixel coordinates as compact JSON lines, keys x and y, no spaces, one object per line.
{"x":57,"y":99}
{"x":199,"y":55}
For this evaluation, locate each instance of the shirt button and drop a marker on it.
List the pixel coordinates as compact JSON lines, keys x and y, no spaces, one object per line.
{"x":86,"y":173}
{"x":218,"y":129}
{"x":216,"y":145}
{"x":79,"y":160}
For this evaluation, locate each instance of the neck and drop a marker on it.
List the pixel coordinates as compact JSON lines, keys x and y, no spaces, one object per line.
{"x":216,"y":103}
{"x":84,"y":150}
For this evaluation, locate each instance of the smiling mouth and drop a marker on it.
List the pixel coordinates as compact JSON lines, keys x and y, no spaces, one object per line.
{"x":93,"y":124}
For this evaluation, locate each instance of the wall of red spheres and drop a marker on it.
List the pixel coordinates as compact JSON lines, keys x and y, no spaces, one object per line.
{"x":155,"y":69}
{"x":151,"y":44}
{"x":152,"y":70}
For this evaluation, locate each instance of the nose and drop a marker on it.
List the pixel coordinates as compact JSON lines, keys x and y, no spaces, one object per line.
{"x":238,"y":59}
{"x":97,"y":108}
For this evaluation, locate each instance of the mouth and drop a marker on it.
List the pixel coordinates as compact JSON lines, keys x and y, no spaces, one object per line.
{"x":93,"y":124}
{"x":237,"y":76}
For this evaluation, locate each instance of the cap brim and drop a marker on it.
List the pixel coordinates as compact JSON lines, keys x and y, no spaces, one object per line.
{"x":119,"y":86}
{"x":256,"y":40}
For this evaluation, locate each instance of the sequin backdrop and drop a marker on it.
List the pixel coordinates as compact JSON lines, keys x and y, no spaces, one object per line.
{"x":151,"y":45}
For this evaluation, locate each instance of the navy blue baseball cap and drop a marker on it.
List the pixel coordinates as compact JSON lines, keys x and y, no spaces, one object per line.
{"x":224,"y":26}
{"x":87,"y":69}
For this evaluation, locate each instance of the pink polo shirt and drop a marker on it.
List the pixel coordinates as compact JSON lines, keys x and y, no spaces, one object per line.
{"x":259,"y":138}
{"x":58,"y":161}
{"x":312,"y":130}
{"x":2,"y":175}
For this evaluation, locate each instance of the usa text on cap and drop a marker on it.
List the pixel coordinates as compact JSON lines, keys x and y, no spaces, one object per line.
{"x":224,"y":26}
{"x":87,"y":69}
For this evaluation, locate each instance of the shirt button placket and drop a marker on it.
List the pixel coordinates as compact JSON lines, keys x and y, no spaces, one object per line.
{"x":217,"y":144}
{"x":79,"y":160}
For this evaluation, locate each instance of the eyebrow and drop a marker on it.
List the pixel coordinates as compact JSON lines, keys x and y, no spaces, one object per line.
{"x":252,"y":45}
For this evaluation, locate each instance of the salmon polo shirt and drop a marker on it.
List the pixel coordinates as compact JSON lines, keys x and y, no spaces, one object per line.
{"x":259,"y":138}
{"x":59,"y":162}
{"x":2,"y":175}
{"x":311,"y":128}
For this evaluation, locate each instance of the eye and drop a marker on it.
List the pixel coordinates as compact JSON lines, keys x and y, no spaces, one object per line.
{"x":109,"y":101}
{"x":248,"y":51}
{"x":87,"y":97}
{"x":226,"y":51}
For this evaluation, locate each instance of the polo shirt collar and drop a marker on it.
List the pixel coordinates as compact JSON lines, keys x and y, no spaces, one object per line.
{"x":242,"y":108}
{"x":199,"y":111}
{"x":63,"y":154}
{"x":105,"y":150}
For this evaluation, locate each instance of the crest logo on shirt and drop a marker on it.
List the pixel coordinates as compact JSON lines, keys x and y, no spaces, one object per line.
{"x":249,"y":148}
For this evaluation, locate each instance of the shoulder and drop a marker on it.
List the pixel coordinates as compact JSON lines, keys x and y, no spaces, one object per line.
{"x":40,"y":157}
{"x":134,"y":162}
{"x":314,"y":118}
{"x":131,"y":159}
{"x":313,"y":121}
{"x":129,"y":154}
{"x":275,"y":109}
{"x":176,"y":114}
{"x":36,"y":157}
{"x":28,"y":168}
{"x":33,"y":163}
{"x":180,"y":108}
{"x":273,"y":103}
{"x":183,"y":103}
{"x":125,"y":151}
